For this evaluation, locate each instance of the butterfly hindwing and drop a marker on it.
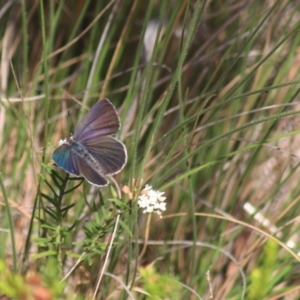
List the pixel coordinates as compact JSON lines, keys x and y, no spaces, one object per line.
{"x":91,"y":175}
{"x":108,"y":152}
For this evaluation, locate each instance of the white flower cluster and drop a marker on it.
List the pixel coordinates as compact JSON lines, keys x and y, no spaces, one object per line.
{"x":151,"y":201}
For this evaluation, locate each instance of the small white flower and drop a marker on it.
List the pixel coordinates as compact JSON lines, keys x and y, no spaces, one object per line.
{"x":152,"y":201}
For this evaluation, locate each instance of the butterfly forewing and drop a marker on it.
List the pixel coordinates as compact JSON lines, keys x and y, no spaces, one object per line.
{"x":101,"y":120}
{"x":66,"y":159}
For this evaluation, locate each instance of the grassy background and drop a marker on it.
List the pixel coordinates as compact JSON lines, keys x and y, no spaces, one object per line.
{"x":207,"y":92}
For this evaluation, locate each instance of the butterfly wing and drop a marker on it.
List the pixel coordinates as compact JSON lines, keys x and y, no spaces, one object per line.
{"x":66,"y":159}
{"x":90,"y":174}
{"x":101,"y":120}
{"x":110,"y":153}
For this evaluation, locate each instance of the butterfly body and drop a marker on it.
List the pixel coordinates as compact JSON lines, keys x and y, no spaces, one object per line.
{"x":92,"y":152}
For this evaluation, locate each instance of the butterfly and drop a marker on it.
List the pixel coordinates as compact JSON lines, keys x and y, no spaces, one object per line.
{"x":92,"y":152}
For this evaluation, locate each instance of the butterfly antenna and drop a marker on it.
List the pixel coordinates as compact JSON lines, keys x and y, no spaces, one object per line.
{"x":116,"y":185}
